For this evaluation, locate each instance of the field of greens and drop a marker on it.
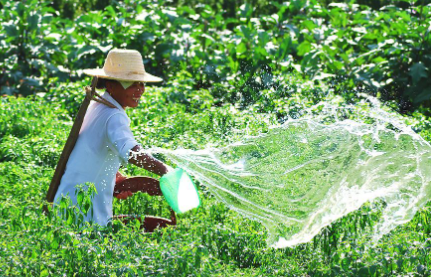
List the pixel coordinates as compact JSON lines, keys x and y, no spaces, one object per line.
{"x":229,"y":72}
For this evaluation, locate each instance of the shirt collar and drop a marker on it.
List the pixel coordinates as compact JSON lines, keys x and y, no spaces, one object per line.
{"x":108,"y":97}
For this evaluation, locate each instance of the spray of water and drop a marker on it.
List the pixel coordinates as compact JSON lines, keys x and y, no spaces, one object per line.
{"x":306,"y":173}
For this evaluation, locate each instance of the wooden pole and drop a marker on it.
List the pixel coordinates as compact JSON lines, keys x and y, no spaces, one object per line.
{"x":70,"y":144}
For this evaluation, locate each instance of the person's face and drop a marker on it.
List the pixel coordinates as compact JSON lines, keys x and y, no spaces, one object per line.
{"x":126,"y":97}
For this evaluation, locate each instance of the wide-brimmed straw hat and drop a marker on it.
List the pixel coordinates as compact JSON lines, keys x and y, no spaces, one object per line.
{"x":123,"y":65}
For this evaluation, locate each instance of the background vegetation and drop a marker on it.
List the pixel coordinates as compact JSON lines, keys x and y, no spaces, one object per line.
{"x":237,"y":57}
{"x":229,"y":70}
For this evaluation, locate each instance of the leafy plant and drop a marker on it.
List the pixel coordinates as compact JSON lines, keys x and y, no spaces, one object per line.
{"x":238,"y":57}
{"x":227,"y":74}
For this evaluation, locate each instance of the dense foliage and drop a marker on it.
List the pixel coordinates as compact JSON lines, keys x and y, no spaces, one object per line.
{"x":226,"y":75}
{"x":237,"y":58}
{"x":209,"y":241}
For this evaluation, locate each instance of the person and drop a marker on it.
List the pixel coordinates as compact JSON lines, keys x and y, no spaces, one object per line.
{"x":105,"y":141}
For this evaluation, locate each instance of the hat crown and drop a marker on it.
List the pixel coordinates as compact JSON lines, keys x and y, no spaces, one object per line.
{"x":124,"y":61}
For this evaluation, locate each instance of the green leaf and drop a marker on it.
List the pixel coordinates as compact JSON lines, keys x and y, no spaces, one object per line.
{"x":163,"y":49}
{"x":241,"y":48}
{"x":7,"y":90}
{"x":418,"y":71}
{"x":44,"y":273}
{"x":11,"y":29}
{"x":263,"y":38}
{"x":32,"y":81}
{"x":33,"y":21}
{"x":246,"y":10}
{"x":86,"y":50}
{"x":309,"y":25}
{"x":323,"y":75}
{"x":110,"y":10}
{"x":246,"y":32}
{"x":423,"y":96}
{"x":304,"y":48}
{"x":80,"y":198}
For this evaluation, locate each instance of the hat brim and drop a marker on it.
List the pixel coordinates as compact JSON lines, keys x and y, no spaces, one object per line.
{"x":146,"y":77}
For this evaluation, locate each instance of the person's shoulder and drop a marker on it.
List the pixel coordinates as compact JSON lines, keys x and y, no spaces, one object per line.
{"x":118,"y":117}
{"x":108,"y":111}
{"x":104,"y":114}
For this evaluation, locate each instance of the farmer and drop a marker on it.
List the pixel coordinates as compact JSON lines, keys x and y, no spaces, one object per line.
{"x":105,"y":140}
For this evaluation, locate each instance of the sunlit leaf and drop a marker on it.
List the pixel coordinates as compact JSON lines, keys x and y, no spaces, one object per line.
{"x":304,"y":48}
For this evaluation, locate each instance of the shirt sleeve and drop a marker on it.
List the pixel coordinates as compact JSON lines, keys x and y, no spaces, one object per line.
{"x":120,"y":137}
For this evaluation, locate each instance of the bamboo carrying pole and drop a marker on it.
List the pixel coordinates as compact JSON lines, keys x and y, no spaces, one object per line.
{"x":70,"y":143}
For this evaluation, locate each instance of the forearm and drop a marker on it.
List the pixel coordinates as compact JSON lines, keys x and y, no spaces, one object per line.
{"x":119,"y":177}
{"x":148,"y":162}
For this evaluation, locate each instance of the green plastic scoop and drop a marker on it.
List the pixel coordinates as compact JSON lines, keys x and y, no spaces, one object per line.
{"x":179,"y":191}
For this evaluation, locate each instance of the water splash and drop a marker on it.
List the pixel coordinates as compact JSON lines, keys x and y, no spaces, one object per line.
{"x":301,"y":176}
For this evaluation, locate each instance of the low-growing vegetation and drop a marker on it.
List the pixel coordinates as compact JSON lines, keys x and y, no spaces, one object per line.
{"x":226,"y":75}
{"x":209,"y":241}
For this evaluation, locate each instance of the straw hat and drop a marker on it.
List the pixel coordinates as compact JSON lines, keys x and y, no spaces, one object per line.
{"x":123,"y":65}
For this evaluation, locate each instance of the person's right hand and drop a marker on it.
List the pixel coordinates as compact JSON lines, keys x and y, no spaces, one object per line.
{"x":139,"y":158}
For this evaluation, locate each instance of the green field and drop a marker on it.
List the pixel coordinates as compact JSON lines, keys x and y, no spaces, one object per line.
{"x":228,"y":73}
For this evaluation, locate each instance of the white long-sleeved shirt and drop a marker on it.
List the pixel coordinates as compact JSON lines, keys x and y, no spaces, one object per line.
{"x":104,"y":143}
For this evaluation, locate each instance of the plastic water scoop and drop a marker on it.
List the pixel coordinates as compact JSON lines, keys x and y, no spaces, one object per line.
{"x":179,"y":191}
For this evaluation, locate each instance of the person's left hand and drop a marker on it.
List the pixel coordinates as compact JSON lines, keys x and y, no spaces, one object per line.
{"x":119,"y":178}
{"x":124,"y":194}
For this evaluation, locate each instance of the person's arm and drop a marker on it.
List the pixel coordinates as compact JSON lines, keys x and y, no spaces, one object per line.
{"x":119,"y":178}
{"x":148,"y":162}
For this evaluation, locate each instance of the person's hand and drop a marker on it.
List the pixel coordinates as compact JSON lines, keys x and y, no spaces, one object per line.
{"x":124,"y":194}
{"x":139,"y":158}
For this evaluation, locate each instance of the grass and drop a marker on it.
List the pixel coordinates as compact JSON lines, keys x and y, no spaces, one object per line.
{"x":209,"y":241}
